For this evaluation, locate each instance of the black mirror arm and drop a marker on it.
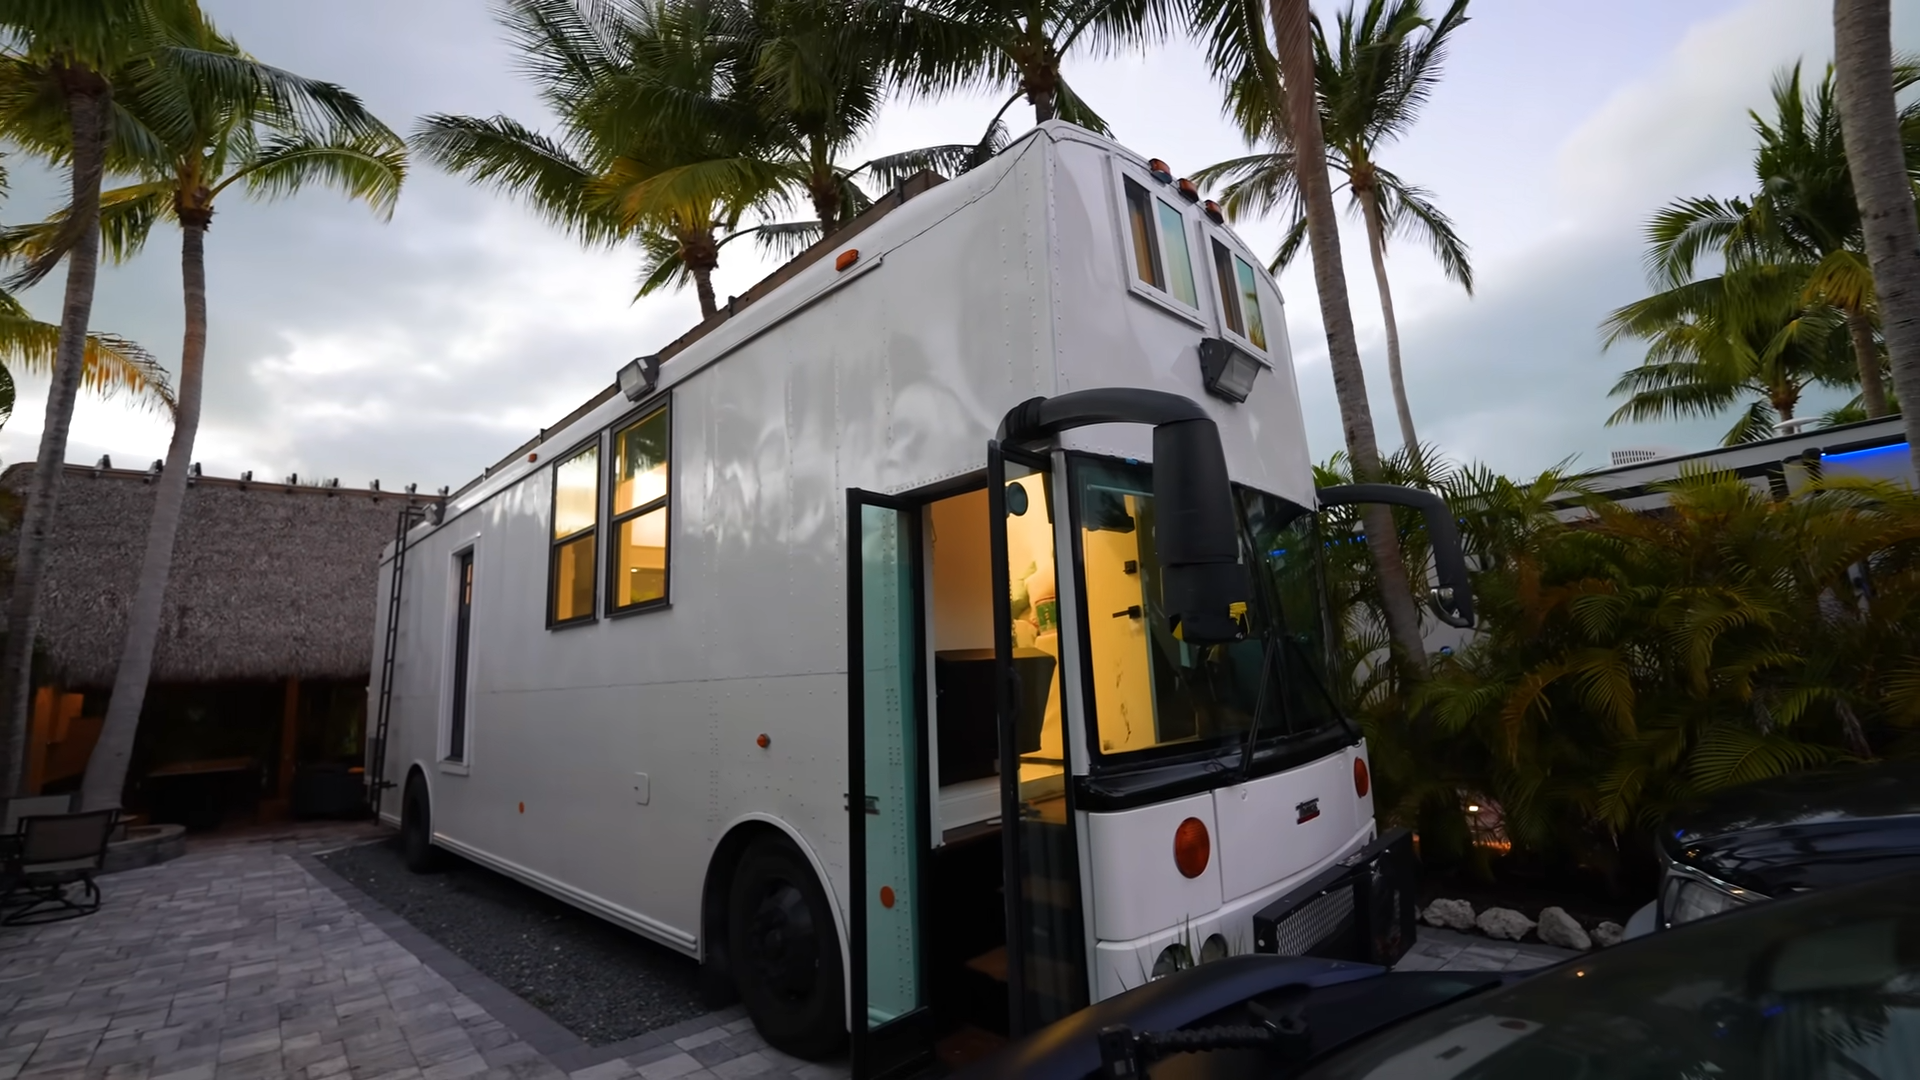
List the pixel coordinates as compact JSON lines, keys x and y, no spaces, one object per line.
{"x":1453,"y":600}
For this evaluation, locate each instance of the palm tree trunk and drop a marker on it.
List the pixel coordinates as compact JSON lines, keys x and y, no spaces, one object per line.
{"x":1863,"y":87}
{"x":1873,"y":393}
{"x":89,"y":109}
{"x":107,"y":769}
{"x":701,"y":255}
{"x":1042,"y":106}
{"x":1377,"y":247}
{"x":1295,"y":53}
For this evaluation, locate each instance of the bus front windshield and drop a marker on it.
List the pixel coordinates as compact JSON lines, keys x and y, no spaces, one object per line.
{"x":1153,"y":692}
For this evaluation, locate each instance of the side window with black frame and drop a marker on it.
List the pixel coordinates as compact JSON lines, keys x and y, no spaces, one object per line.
{"x":1162,"y":257}
{"x":576,"y":513}
{"x":1239,"y":295}
{"x":637,"y":556}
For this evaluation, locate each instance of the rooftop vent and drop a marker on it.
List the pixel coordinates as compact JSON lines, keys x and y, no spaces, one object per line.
{"x":1634,"y":455}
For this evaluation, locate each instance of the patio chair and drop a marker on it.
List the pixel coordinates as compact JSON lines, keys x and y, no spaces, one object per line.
{"x":12,"y":810}
{"x":25,"y":806}
{"x":55,"y":851}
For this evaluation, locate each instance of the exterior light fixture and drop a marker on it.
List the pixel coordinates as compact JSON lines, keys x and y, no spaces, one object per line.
{"x":1187,"y":190}
{"x":1160,"y":171}
{"x":1213,"y":212}
{"x":1227,"y":370}
{"x":639,"y":375}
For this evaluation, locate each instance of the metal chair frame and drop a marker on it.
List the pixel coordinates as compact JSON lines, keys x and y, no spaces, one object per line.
{"x":53,"y":853}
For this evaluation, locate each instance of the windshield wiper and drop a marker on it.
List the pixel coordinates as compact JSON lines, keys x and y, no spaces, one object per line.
{"x":1125,"y":1053}
{"x":1259,"y":703}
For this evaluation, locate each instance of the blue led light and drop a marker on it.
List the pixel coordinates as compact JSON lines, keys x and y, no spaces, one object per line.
{"x":1890,"y":450}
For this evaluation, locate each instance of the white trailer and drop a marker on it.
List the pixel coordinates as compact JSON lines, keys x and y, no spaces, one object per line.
{"x":893,"y":642}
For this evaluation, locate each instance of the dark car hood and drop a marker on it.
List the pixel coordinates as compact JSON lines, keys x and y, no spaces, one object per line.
{"x":1812,"y":830}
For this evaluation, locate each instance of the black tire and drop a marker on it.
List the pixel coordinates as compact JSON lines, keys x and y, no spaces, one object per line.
{"x":416,"y":828}
{"x":785,"y":952}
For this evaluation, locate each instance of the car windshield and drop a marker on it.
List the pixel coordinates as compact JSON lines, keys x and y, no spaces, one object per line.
{"x":1816,"y":987}
{"x":1154,"y":692}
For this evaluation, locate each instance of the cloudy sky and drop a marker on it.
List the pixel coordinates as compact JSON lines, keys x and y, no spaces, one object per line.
{"x":424,"y":347}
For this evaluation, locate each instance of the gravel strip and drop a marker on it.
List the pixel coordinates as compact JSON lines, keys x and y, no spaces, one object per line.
{"x":598,"y":981}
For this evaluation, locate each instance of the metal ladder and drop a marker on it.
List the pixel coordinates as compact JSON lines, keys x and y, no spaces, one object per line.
{"x":377,"y":781}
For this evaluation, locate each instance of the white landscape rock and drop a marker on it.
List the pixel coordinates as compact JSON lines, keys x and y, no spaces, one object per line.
{"x":1504,"y":924}
{"x":1452,"y":914}
{"x":1608,"y":934}
{"x":1559,"y":928}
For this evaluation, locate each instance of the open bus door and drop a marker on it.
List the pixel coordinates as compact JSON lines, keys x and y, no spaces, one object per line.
{"x":1046,"y":964}
{"x":890,"y":1024}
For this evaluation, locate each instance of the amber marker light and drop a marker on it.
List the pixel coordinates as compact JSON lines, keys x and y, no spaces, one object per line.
{"x":1187,"y":190}
{"x":1192,"y":847}
{"x":533,"y":457}
{"x":763,"y":742}
{"x":1160,"y":171}
{"x":846,"y":258}
{"x":1362,"y":783}
{"x":1213,"y":212}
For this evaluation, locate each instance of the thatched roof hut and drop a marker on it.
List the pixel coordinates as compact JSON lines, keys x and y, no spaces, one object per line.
{"x":270,"y":580}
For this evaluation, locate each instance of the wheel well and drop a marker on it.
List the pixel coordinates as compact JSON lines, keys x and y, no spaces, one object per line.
{"x":716,"y":976}
{"x":416,"y":773}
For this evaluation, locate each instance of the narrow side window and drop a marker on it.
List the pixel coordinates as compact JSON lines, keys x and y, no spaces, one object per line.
{"x":1146,"y":252}
{"x":637,"y":561}
{"x":1229,"y":288}
{"x":576,"y":501}
{"x":1250,"y":302}
{"x":1173,"y":238}
{"x":462,"y":637}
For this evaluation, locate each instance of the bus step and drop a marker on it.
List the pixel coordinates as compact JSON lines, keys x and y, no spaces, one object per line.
{"x":992,"y":963}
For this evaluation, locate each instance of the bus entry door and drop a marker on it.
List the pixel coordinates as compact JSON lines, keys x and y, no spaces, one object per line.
{"x":1046,"y":949}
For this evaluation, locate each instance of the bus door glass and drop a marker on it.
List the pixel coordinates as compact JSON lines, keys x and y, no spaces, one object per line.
{"x":891,"y":1027}
{"x":1046,"y":953}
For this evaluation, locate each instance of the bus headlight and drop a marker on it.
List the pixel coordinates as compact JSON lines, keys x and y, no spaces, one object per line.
{"x":1689,"y":900}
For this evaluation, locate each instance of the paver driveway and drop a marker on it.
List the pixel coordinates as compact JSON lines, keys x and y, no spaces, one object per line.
{"x":237,"y":961}
{"x":246,"y":959}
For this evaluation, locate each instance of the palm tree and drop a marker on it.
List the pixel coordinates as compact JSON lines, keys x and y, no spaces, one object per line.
{"x":1371,"y":84}
{"x":1294,"y":54}
{"x":1748,"y":334}
{"x":1005,"y":44}
{"x":1805,"y":213}
{"x":55,"y":99}
{"x":661,"y":129}
{"x":1880,"y":167}
{"x":269,"y":136}
{"x":111,"y":364}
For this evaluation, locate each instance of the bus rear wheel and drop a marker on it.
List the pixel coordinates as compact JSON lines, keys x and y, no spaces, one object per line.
{"x":784,"y":951}
{"x":416,"y":828}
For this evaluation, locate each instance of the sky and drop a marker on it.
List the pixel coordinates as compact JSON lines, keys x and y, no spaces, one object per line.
{"x":422,"y":348}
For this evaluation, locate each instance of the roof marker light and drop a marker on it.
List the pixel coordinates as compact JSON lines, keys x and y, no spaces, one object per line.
{"x":846,"y":258}
{"x":1213,"y":212}
{"x":1187,"y":190}
{"x":1160,"y":171}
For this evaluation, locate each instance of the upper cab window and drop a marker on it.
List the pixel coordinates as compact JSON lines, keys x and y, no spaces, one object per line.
{"x":1239,"y":295}
{"x":576,"y":516}
{"x":637,"y":558}
{"x":1162,"y":257}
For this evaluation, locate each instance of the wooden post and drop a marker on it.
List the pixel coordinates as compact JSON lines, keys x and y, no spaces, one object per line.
{"x":39,"y":734}
{"x":289,"y":745}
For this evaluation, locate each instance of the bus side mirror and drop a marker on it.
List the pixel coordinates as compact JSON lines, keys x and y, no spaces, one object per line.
{"x":1197,"y":534}
{"x":1452,"y":600}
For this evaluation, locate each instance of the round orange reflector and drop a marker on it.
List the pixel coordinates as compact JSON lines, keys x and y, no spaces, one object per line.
{"x":535,"y":456}
{"x":763,"y":742}
{"x":1191,"y":847}
{"x":886,"y":896}
{"x":846,"y":258}
{"x":1362,"y":783}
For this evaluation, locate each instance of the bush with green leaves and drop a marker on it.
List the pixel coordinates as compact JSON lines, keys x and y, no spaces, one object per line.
{"x":1628,"y":662}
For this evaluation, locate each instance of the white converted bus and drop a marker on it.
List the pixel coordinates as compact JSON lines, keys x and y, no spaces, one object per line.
{"x":893,"y":641}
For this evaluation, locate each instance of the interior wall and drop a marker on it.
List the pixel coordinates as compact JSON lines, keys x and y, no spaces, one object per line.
{"x":1122,"y":671}
{"x":962,"y":573}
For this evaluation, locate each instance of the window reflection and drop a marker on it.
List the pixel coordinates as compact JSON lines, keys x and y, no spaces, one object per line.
{"x":576,"y":488}
{"x":573,"y":580}
{"x":1250,"y":302}
{"x":1173,"y":232}
{"x":637,"y":559}
{"x":640,"y":559}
